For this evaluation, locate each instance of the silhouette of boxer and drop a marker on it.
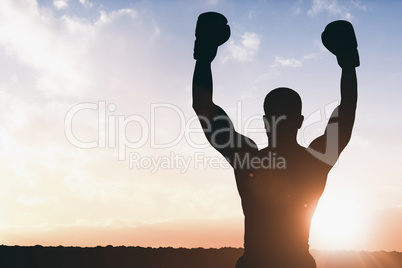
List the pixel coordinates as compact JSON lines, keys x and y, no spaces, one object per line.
{"x":278,"y":199}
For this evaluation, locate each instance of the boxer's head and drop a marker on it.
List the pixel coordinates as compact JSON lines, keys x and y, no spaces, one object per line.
{"x":282,"y":107}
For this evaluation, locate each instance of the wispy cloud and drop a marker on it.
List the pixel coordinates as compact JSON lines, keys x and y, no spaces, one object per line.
{"x":212,"y":2}
{"x":86,"y":3}
{"x":330,"y":6}
{"x":34,"y":200}
{"x":290,"y":62}
{"x":297,"y":7}
{"x":252,"y":14}
{"x":250,"y":43}
{"x":359,"y":5}
{"x":60,"y":4}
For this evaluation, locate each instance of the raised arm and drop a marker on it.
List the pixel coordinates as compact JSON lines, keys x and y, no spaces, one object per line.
{"x":339,"y":129}
{"x":211,"y":32}
{"x":340,"y":39}
{"x":202,"y":89}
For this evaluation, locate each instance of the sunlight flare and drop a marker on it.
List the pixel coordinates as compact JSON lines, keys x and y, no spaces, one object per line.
{"x":338,"y":223}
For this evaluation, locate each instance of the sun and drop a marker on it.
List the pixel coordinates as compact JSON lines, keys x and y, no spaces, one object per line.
{"x":338,"y":223}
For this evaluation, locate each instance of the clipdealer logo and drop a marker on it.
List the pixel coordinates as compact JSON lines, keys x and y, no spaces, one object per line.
{"x":112,"y":133}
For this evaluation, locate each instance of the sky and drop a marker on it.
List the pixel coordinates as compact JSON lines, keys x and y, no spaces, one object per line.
{"x":99,"y":144}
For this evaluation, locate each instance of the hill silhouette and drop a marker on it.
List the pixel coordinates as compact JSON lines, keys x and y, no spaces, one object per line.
{"x":122,"y":256}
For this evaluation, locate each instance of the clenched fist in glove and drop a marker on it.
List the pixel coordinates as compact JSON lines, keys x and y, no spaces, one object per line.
{"x":211,"y":31}
{"x":339,"y":38}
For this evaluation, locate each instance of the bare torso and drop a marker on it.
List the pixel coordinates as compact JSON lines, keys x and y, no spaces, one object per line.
{"x":279,"y":197}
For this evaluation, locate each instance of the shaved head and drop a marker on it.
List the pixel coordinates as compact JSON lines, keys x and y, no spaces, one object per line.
{"x":282,"y":101}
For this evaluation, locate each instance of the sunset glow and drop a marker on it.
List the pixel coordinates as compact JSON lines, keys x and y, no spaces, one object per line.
{"x":339,"y":224}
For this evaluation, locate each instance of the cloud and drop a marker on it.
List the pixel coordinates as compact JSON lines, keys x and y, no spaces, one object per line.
{"x":330,"y":6}
{"x":47,"y":47}
{"x":212,"y":2}
{"x":297,"y":7}
{"x":252,"y":14}
{"x":86,"y":3}
{"x":291,"y":62}
{"x":250,"y":43}
{"x":61,"y":4}
{"x":359,"y":6}
{"x":335,"y":8}
{"x":69,"y":52}
{"x":34,"y":200}
{"x":53,"y":63}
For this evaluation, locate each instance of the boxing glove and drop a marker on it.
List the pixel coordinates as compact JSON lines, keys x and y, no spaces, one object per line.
{"x":340,"y":39}
{"x":211,"y":32}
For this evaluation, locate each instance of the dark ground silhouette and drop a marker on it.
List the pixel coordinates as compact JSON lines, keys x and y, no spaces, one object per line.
{"x":122,"y":257}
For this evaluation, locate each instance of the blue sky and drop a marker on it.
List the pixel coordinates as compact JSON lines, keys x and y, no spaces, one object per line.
{"x":57,"y":56}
